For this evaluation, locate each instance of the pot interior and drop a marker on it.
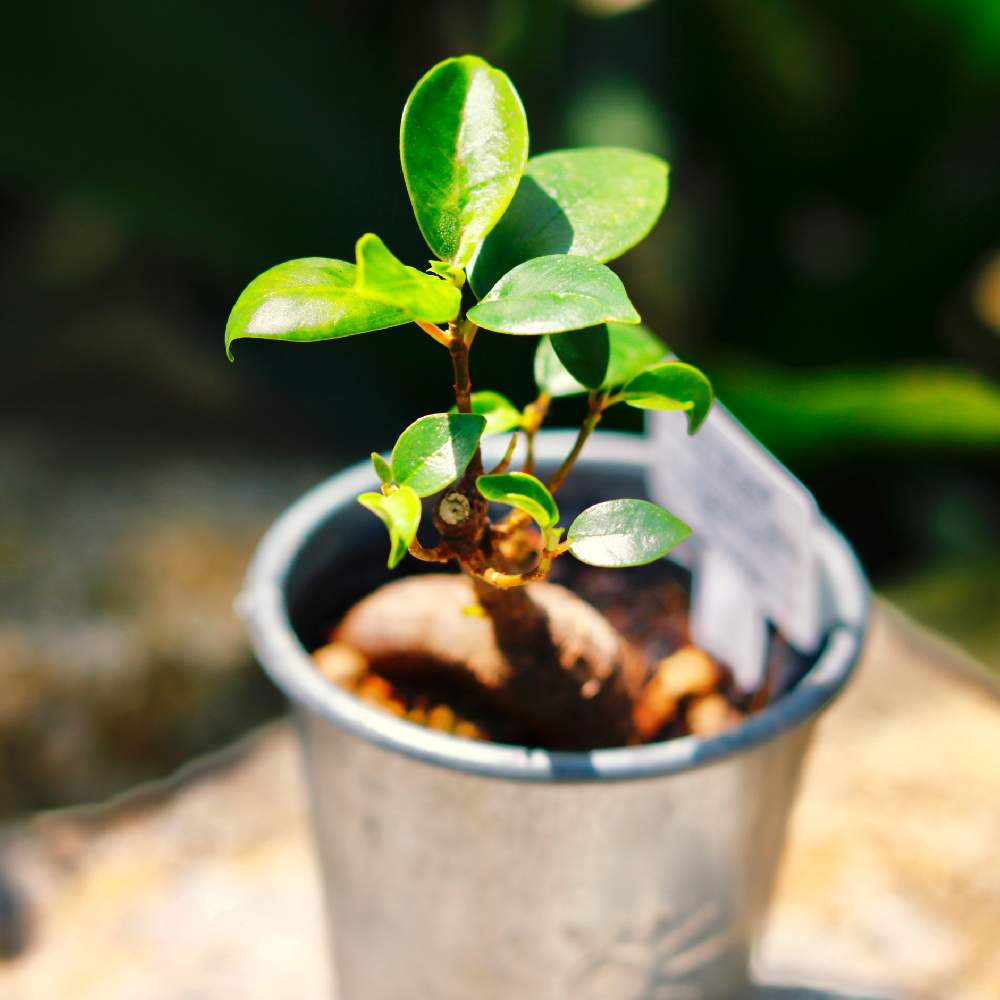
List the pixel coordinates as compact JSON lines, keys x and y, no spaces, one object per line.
{"x":344,"y":560}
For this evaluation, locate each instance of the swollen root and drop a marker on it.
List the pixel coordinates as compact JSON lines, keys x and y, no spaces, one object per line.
{"x":542,"y":656}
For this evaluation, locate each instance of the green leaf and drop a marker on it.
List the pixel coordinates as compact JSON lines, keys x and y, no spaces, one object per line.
{"x":518,"y":489}
{"x":435,"y":450}
{"x":632,"y":348}
{"x":584,"y":353}
{"x":306,"y":300}
{"x":620,"y":533}
{"x":672,"y":386}
{"x":553,"y":294}
{"x":450,"y":272}
{"x":400,"y":513}
{"x":596,"y":202}
{"x":463,"y":143}
{"x":500,"y":413}
{"x":382,"y":469}
{"x":385,"y":279}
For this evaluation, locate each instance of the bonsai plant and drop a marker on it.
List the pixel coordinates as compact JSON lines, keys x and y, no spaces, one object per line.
{"x":520,"y":248}
{"x":570,"y":848}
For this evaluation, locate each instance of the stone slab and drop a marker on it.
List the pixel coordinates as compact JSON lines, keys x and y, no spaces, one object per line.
{"x":205,"y":888}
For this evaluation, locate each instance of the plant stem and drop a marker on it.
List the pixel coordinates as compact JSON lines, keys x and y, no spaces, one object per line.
{"x":438,"y":554}
{"x":433,"y":331}
{"x":534,"y":414}
{"x":459,"y":351}
{"x":467,"y":330}
{"x":460,"y":334}
{"x":504,"y":463}
{"x":593,"y":418}
{"x":506,"y":581}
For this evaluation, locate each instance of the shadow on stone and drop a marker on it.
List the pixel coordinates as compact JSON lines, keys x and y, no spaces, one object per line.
{"x":764,"y":992}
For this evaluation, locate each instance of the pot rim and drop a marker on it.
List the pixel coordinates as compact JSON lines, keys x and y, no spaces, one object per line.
{"x":263,"y":608}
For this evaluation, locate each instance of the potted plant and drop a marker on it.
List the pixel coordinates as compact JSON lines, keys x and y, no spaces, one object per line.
{"x":500,"y":810}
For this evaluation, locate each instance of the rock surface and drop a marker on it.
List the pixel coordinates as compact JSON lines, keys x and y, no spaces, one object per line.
{"x":207,"y":889}
{"x":120,"y":654}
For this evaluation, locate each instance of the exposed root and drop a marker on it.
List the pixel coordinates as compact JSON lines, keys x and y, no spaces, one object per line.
{"x":560,"y":669}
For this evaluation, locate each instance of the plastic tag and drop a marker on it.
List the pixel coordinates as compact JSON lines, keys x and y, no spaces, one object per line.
{"x":753,"y":533}
{"x":724,"y":622}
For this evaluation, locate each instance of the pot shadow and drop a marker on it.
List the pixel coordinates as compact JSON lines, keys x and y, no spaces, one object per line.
{"x":533,"y":226}
{"x":765,"y":992}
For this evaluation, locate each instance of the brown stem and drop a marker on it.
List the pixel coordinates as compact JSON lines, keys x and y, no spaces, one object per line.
{"x":433,"y":331}
{"x":438,"y":554}
{"x":593,"y":418}
{"x":474,"y":528}
{"x":504,"y":462}
{"x":459,"y":351}
{"x":467,"y":330}
{"x":534,"y":414}
{"x":505,"y":581}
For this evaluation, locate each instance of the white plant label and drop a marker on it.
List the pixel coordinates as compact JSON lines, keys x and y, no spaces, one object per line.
{"x":753,"y":529}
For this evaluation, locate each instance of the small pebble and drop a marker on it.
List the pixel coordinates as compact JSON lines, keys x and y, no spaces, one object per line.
{"x":710,"y":714}
{"x":375,"y":688}
{"x":340,"y":663}
{"x":441,"y":717}
{"x":469,"y":730}
{"x":688,"y":672}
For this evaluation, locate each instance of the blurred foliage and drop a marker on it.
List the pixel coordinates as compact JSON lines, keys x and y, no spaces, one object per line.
{"x":834,"y":211}
{"x":911,"y":407}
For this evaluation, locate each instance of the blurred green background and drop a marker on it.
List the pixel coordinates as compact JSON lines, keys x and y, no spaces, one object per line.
{"x":830,"y":255}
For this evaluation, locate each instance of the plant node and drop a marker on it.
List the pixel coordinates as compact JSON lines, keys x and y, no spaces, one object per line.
{"x":454,"y":509}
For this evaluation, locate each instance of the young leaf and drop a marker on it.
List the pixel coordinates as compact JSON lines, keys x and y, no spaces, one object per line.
{"x":620,"y":533}
{"x":584,"y":354}
{"x":463,"y":144}
{"x":385,"y":279}
{"x":596,"y":202}
{"x":400,"y":513}
{"x":500,"y":413}
{"x":518,"y":489}
{"x":450,"y":272}
{"x":632,"y":348}
{"x":435,"y":450}
{"x":553,"y":294}
{"x":672,"y":386}
{"x":305,"y":300}
{"x":382,"y":469}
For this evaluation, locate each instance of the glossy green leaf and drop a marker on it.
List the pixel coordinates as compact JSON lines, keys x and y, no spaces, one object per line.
{"x":435,"y":450}
{"x":450,"y":272}
{"x":400,"y":513}
{"x":595,"y":202}
{"x":672,"y":385}
{"x":584,"y":354}
{"x":518,"y":489}
{"x":306,"y":300}
{"x":620,"y":533}
{"x":632,"y":348}
{"x":463,"y":143}
{"x":553,"y":294}
{"x":500,"y":413}
{"x":382,"y":469}
{"x":384,"y":278}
